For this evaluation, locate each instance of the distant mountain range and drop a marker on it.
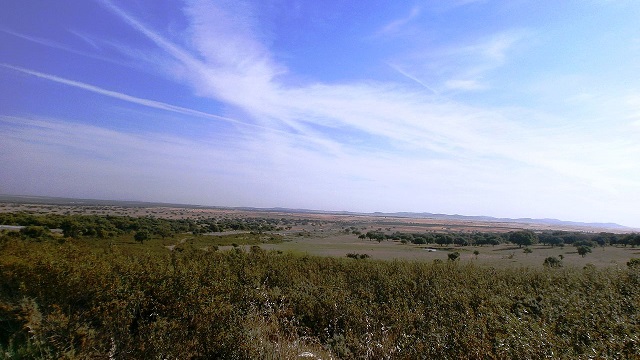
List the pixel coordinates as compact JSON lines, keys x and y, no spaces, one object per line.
{"x":555,"y":222}
{"x":45,"y":200}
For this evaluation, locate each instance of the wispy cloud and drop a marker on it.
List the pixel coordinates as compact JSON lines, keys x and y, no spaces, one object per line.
{"x":473,"y":62}
{"x":493,"y":48}
{"x":401,"y":117}
{"x":396,"y":24}
{"x":467,"y":85}
{"x":466,"y":65}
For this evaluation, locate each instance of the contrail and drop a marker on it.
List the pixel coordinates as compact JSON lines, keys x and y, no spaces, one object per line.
{"x":132,"y":99}
{"x":409,"y":76}
{"x":147,"y":102}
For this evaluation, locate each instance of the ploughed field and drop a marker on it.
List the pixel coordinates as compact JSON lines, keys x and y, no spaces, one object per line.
{"x":118,"y":282}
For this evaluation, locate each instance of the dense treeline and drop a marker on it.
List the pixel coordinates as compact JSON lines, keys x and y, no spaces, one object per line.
{"x":63,"y":300}
{"x":106,"y":226}
{"x":100,"y":226}
{"x":523,"y":237}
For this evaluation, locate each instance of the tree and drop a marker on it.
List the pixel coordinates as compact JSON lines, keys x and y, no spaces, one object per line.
{"x":588,"y":243}
{"x":523,"y":237}
{"x":476,"y":253}
{"x":454,"y":256}
{"x":583,"y":250}
{"x":71,"y":228}
{"x":141,"y":236}
{"x":375,"y":235}
{"x":460,"y":241}
{"x":528,"y":250}
{"x":632,"y":239}
{"x":419,"y":240}
{"x":493,"y":241}
{"x":443,"y":239}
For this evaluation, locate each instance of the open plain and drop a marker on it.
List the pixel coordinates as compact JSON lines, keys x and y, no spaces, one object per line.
{"x":336,"y":234}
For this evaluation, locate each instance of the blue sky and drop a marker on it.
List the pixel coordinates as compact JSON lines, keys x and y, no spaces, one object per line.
{"x":502,"y":108}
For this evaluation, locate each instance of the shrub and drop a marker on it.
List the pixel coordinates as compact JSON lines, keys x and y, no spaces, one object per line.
{"x":357,"y":256}
{"x":634,"y":263}
{"x":35,"y":232}
{"x":552,"y":262}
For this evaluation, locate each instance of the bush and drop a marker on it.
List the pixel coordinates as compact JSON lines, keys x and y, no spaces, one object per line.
{"x":552,"y":262}
{"x":633,"y":263}
{"x":357,"y":256}
{"x":35,"y":232}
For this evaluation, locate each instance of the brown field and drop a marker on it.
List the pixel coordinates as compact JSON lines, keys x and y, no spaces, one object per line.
{"x":329,"y":220}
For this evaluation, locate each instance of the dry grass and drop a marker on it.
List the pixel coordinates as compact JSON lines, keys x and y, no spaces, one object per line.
{"x":499,"y":256}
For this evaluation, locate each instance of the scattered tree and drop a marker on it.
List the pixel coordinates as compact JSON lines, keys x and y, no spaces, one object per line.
{"x":583,"y":250}
{"x":141,"y":236}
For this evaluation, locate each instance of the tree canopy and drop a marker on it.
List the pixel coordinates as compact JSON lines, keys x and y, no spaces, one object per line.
{"x":523,"y":237}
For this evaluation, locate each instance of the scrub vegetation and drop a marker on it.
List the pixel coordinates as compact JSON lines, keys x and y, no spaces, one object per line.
{"x":98,"y":293}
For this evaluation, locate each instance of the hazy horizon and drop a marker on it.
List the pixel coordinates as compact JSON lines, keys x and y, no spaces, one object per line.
{"x":508,"y":109}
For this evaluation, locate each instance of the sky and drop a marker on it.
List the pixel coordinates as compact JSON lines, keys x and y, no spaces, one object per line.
{"x":505,"y":108}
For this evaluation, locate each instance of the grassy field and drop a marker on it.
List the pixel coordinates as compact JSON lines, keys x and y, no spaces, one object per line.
{"x":499,"y":256}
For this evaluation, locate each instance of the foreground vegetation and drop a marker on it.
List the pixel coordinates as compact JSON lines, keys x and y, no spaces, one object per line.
{"x":62,"y":300}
